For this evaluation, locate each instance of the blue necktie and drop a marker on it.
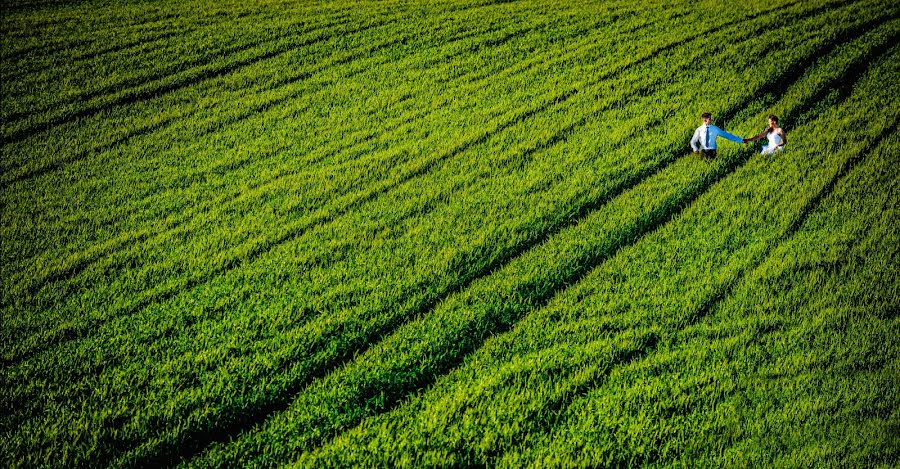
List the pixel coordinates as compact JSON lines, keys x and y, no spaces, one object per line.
{"x":707,"y":139}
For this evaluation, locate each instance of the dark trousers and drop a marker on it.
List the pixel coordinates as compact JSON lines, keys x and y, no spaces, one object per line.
{"x":708,"y":153}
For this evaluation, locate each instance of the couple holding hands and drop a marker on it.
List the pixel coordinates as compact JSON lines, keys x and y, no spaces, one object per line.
{"x":704,"y":140}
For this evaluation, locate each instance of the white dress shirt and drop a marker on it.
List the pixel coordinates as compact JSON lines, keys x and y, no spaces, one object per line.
{"x":699,"y":140}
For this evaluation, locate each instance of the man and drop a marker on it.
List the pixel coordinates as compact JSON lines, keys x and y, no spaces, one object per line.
{"x":704,"y":141}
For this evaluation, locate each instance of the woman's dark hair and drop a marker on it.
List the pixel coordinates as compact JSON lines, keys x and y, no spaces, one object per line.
{"x":774,"y":118}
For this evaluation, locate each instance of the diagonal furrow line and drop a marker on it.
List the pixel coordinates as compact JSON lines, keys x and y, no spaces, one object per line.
{"x":551,"y":411}
{"x":251,"y":112}
{"x":574,"y":373}
{"x":292,"y":232}
{"x":429,"y":206}
{"x":141,"y":131}
{"x":586,"y":207}
{"x":349,"y":59}
{"x":109,"y":20}
{"x":213,"y":127}
{"x":75,"y":157}
{"x":337,"y":20}
{"x":500,"y":322}
{"x":582,"y":46}
{"x":541,"y":293}
{"x":809,"y":207}
{"x":724,"y":291}
{"x":141,"y":91}
{"x":843,"y":86}
{"x":152,"y":38}
{"x":292,"y":80}
{"x":194,"y":76}
{"x":20,"y":73}
{"x":709,"y":306}
{"x":160,"y":75}
{"x":557,"y":100}
{"x":355,"y":200}
{"x":57,"y":164}
{"x":27,"y":51}
{"x":157,"y":125}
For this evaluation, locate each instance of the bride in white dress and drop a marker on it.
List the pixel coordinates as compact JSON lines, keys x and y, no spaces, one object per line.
{"x":775,"y":135}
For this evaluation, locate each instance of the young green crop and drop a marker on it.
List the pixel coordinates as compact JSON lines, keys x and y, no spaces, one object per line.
{"x":247,"y":163}
{"x":302,"y":176}
{"x":514,"y":391}
{"x":282,"y":242}
{"x":295,"y":339}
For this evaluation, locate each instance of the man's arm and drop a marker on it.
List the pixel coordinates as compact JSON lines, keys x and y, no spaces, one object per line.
{"x":695,"y":140}
{"x":728,"y":136}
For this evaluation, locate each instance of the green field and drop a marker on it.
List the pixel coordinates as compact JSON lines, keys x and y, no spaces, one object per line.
{"x":448,"y":232}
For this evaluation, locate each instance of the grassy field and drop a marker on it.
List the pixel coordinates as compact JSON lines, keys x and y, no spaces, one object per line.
{"x":455,"y":232}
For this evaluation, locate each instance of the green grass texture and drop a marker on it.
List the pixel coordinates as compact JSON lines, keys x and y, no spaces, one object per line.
{"x":419,"y":233}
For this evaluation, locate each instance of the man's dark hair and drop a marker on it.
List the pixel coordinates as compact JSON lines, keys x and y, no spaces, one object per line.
{"x":706,"y":115}
{"x":774,"y":118}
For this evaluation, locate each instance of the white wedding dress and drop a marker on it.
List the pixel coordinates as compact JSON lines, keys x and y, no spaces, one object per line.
{"x":773,"y":145}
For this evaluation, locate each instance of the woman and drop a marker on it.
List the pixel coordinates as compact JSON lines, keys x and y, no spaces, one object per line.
{"x":777,"y":138}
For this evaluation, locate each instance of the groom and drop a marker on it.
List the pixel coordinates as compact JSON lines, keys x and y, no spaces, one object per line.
{"x":704,"y":141}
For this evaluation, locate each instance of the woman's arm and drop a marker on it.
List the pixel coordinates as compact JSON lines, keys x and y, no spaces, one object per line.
{"x":783,"y":137}
{"x":758,"y":137}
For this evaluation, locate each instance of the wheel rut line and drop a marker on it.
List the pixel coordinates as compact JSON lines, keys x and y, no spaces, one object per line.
{"x":146,"y":129}
{"x":646,"y":346}
{"x":556,"y":138}
{"x":278,"y":101}
{"x":66,"y":335}
{"x":853,"y":74}
{"x":88,"y":56}
{"x":264,"y":410}
{"x":657,"y":219}
{"x":206,"y":72}
{"x":153,"y":127}
{"x":53,"y":166}
{"x":58,"y":164}
{"x":342,"y":20}
{"x":709,"y":306}
{"x":176,"y":68}
{"x":76,"y":157}
{"x":82,"y":264}
{"x":254,"y":112}
{"x":132,"y":95}
{"x":726,"y":290}
{"x":26,"y":51}
{"x":585,"y":209}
